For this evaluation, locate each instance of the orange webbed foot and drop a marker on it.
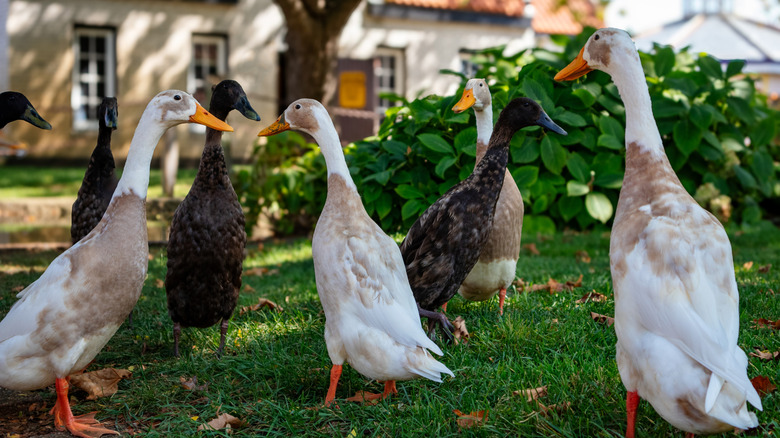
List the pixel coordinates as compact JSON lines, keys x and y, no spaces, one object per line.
{"x":86,"y":426}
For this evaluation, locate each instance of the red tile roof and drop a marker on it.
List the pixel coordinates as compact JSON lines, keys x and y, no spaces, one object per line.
{"x":550,"y":16}
{"x":564,"y":16}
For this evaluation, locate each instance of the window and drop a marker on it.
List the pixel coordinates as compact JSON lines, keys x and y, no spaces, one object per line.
{"x":389,"y":74}
{"x":94,"y":74}
{"x":208,"y":67}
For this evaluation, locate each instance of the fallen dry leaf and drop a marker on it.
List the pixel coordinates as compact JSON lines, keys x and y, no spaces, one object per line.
{"x":765,"y":354}
{"x":261,"y":271}
{"x":368,"y":398}
{"x":159,"y":284}
{"x":460,"y":332}
{"x":764,"y":269}
{"x":223,"y":421}
{"x":532,"y":394}
{"x":192,"y":384}
{"x":557,"y":408}
{"x":473,"y":419}
{"x":763,"y":322}
{"x":602,"y":319}
{"x":553,"y":286}
{"x":261,"y":302}
{"x":519,"y":284}
{"x":17,"y":289}
{"x":531,"y":247}
{"x":248,"y":288}
{"x":582,"y":256}
{"x":747,"y":265}
{"x":763,"y":385}
{"x":100,"y":383}
{"x":593,"y":296}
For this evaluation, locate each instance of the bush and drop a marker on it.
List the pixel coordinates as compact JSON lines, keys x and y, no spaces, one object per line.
{"x":717,"y":129}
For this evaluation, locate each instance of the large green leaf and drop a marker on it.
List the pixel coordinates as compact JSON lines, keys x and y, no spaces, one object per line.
{"x":578,"y":167}
{"x":741,"y":108}
{"x":744,"y":177}
{"x":608,"y":125}
{"x":599,"y":206}
{"x":687,"y":136}
{"x":553,"y":154}
{"x":466,"y":141}
{"x":574,"y":188}
{"x":395,"y":147}
{"x":764,"y":132}
{"x":384,"y":204}
{"x":571,"y":119}
{"x":710,"y":66}
{"x":526,"y":152}
{"x":533,"y":225}
{"x":663,"y":107}
{"x":540,"y":204}
{"x":569,"y":206}
{"x":700,"y":117}
{"x":735,"y":67}
{"x":587,"y":98}
{"x":534,"y":90}
{"x":609,"y":141}
{"x":412,"y":208}
{"x":525,"y":176}
{"x":444,"y":164}
{"x":435,"y":143}
{"x":409,"y":192}
{"x":762,"y":166}
{"x":664,"y":60}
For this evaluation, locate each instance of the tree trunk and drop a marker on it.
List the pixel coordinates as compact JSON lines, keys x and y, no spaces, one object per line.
{"x":313,"y":29}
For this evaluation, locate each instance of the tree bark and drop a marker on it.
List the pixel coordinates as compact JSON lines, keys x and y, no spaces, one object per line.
{"x":313,"y":29}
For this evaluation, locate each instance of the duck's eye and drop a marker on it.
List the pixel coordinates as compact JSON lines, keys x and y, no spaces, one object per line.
{"x":480,"y":84}
{"x":176,"y":97}
{"x":596,"y":37}
{"x":297,"y":106}
{"x":525,"y":103}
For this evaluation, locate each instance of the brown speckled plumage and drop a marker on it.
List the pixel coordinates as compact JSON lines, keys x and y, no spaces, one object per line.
{"x":207,"y":238}
{"x":446,"y":241}
{"x":99,"y":179}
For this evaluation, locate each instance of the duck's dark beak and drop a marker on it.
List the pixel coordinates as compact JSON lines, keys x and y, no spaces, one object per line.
{"x":575,"y":69}
{"x":112,"y":117}
{"x":246,"y":109}
{"x":35,"y":119}
{"x":545,"y":121}
{"x":280,"y":125}
{"x":466,"y":101}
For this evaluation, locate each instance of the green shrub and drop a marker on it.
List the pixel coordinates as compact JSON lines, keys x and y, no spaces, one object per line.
{"x":717,"y":129}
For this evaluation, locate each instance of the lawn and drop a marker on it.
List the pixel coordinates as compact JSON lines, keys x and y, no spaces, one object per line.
{"x":274,"y":374}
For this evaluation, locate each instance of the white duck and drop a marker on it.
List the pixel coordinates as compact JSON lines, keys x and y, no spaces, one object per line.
{"x":497,"y":265}
{"x":371,"y":315}
{"x":63,"y":319}
{"x":676,"y":298}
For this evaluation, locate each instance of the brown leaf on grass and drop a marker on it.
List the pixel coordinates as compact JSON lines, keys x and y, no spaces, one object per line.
{"x":582,"y":256}
{"x":764,"y":269}
{"x":261,"y":302}
{"x":747,"y":265}
{"x":192,"y":384}
{"x":531,"y":247}
{"x":602,"y":319}
{"x":593,"y":296}
{"x":159,"y":283}
{"x":553,"y":286}
{"x":248,"y":288}
{"x":557,"y":408}
{"x":460,"y":332}
{"x":261,"y":271}
{"x":100,"y":383}
{"x":519,"y":284}
{"x":17,"y":289}
{"x":768,"y":323}
{"x":365,"y":397}
{"x":765,"y":354}
{"x":532,"y":394}
{"x":473,"y":419}
{"x":763,"y":385}
{"x":223,"y":421}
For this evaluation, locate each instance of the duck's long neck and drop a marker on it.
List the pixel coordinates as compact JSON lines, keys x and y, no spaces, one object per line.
{"x":641,"y":129}
{"x":212,"y":169}
{"x":330,"y":146}
{"x":135,"y":176}
{"x":484,"y":129}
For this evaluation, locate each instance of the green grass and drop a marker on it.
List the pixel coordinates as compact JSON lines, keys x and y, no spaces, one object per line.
{"x":275,"y":370}
{"x":35,"y":181}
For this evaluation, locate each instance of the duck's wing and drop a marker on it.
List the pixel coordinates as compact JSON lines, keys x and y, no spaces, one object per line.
{"x":678,"y":281}
{"x":378,"y":291}
{"x":44,"y":295}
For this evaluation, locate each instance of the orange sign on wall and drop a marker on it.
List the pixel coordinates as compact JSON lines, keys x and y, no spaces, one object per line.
{"x":352,"y":89}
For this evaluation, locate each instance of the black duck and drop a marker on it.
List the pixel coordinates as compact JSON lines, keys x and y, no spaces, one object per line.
{"x":207,"y":238}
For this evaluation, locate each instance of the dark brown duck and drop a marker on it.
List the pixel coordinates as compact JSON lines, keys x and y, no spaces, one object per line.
{"x":99,"y":182}
{"x":444,"y":244}
{"x":207,"y":239}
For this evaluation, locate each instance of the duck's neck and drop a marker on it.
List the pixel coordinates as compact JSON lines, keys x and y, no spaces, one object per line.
{"x":212,"y":170}
{"x":484,"y":129}
{"x":135,"y":176}
{"x":330,"y":146}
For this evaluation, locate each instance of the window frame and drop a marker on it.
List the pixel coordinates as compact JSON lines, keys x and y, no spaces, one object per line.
{"x":109,"y":57}
{"x":399,"y":71}
{"x":221,"y":41}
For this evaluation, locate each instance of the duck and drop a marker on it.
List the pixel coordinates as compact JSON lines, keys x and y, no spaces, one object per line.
{"x":445,"y":242}
{"x":99,"y":181}
{"x":676,"y":297}
{"x":496,"y":268}
{"x":61,"y":321}
{"x":207,"y":237}
{"x":16,"y":106}
{"x":370,"y":314}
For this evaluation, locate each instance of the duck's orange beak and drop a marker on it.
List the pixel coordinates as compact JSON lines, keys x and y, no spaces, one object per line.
{"x":203,"y":117}
{"x":466,"y":101}
{"x":276,"y":127}
{"x":575,"y":69}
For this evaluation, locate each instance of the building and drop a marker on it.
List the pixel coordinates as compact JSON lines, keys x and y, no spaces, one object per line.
{"x":65,"y":55}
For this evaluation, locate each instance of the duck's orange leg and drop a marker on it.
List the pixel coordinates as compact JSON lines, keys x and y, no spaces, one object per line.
{"x":501,"y":299}
{"x":389,"y":388}
{"x":632,"y":401}
{"x":689,"y":435}
{"x":444,"y":307}
{"x":335,"y":374}
{"x":85,"y":426}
